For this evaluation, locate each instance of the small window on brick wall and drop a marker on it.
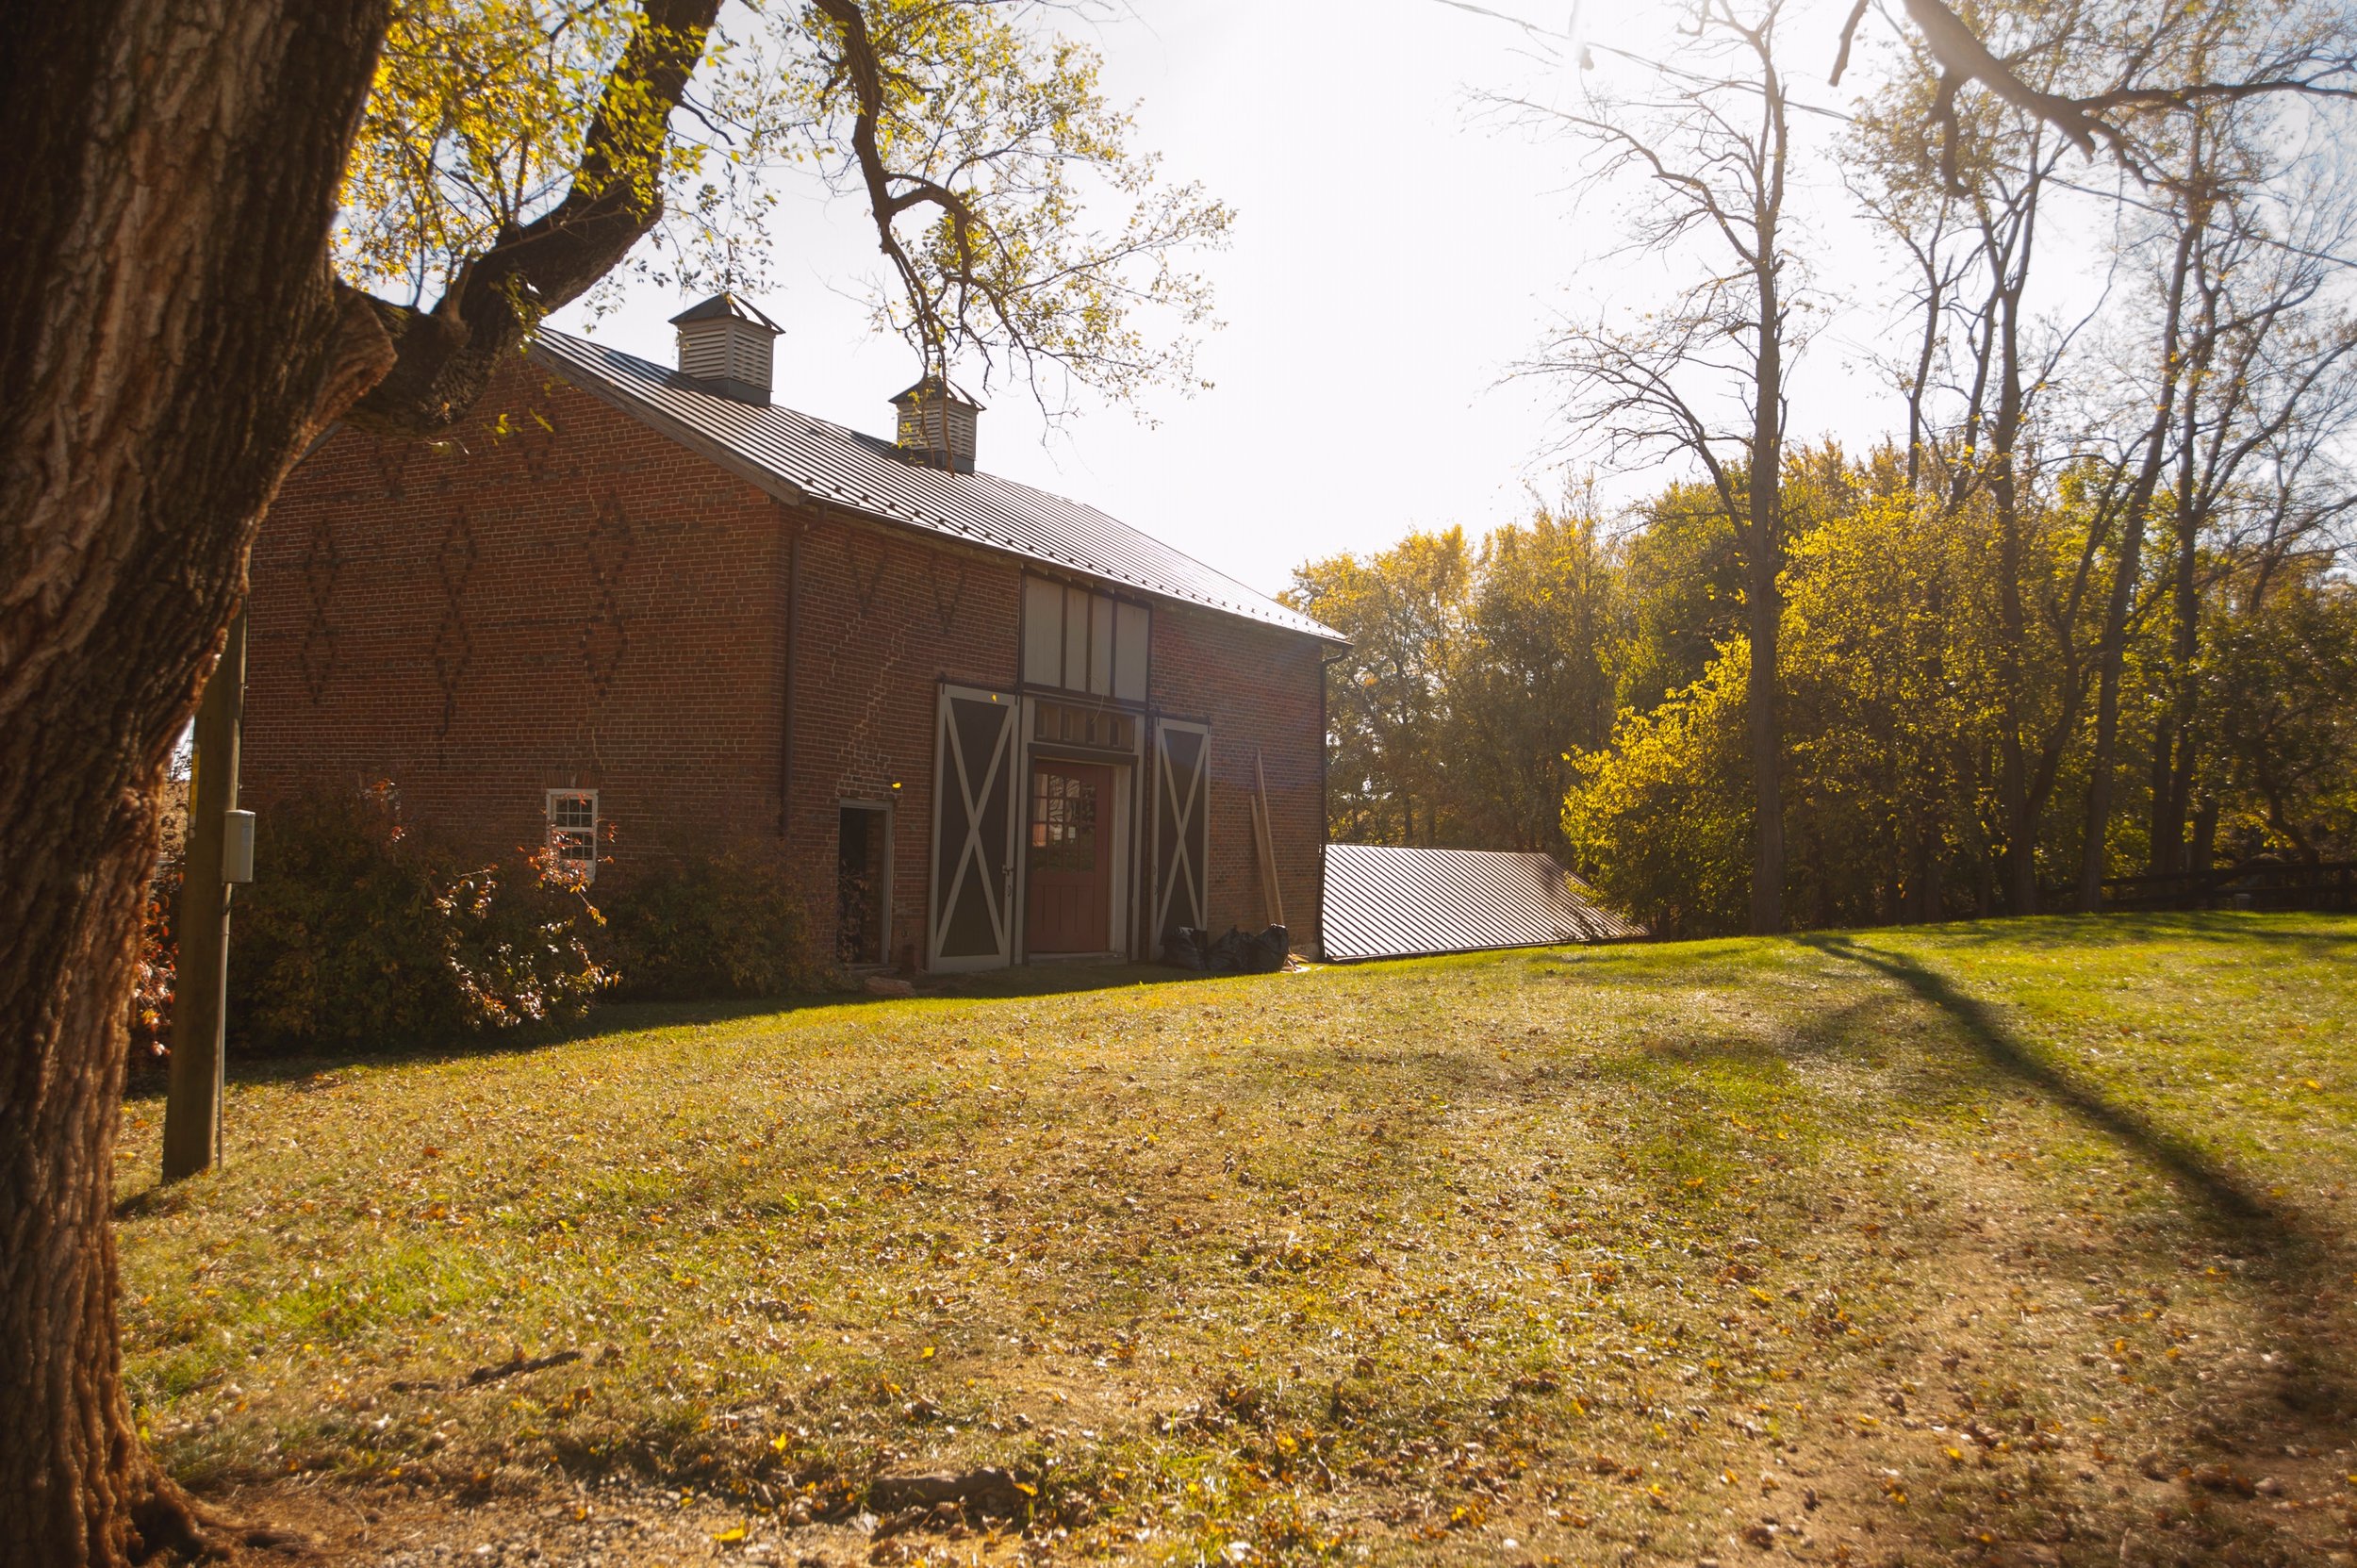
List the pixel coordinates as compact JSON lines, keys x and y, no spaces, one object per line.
{"x":574,"y":831}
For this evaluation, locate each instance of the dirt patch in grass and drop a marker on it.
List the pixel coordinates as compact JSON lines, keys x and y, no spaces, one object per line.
{"x":2014,"y":1244}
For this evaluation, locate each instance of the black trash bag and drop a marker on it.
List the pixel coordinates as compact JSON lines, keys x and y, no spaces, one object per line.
{"x":1230,"y":953}
{"x":1266,"y":954}
{"x":1188,"y":949}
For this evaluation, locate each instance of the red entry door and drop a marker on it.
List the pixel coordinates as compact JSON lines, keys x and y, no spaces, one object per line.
{"x":1069,"y":896}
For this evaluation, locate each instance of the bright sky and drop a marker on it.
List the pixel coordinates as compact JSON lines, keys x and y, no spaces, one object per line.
{"x":1396,"y":250}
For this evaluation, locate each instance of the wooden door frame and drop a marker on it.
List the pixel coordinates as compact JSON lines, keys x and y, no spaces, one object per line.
{"x":1121,"y":922}
{"x":885,"y":809}
{"x":1112,"y":825}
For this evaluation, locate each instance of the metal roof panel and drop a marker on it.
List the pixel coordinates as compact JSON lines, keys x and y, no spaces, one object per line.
{"x":830,"y":463}
{"x":1389,"y":901}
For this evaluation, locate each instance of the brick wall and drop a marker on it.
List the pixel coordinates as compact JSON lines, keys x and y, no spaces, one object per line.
{"x":558,"y":597}
{"x":882,"y":621}
{"x":1259,"y":688}
{"x":554,"y":597}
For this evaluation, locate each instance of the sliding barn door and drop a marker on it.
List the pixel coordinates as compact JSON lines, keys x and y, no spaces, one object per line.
{"x":974,"y":823}
{"x":1182,"y":827}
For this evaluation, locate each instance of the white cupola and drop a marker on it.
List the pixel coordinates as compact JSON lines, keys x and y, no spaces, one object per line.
{"x":936,"y":425}
{"x":727,"y":346}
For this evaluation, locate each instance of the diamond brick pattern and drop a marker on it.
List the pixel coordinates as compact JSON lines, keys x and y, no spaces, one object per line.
{"x":605,"y":637}
{"x":603,"y":607}
{"x":321,"y":561}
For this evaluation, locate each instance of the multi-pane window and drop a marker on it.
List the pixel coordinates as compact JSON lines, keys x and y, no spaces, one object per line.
{"x":1063,"y":822}
{"x":1083,"y":641}
{"x":574,"y":831}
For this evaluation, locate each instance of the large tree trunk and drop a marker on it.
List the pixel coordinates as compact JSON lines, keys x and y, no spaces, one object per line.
{"x":2175,"y":746}
{"x":1765,"y":734}
{"x":168,"y":340}
{"x":1764,"y":554}
{"x":2128,"y":565}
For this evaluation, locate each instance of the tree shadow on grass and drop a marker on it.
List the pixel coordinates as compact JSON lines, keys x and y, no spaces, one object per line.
{"x":2291,"y":1297}
{"x":2284,"y":1246}
{"x":638,"y":1017}
{"x":2227,"y":1197}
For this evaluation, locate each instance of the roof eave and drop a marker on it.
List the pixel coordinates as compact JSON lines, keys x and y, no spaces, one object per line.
{"x":614,"y":397}
{"x":607,"y":390}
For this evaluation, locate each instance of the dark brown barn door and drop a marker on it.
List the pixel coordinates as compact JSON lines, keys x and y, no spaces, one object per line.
{"x":974,"y":819}
{"x":1183,"y":826}
{"x":1068,"y":882}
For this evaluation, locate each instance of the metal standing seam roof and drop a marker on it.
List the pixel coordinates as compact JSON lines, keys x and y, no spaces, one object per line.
{"x":1383,"y":901}
{"x":827,"y":462}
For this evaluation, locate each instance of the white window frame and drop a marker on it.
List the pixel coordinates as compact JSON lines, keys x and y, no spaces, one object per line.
{"x":560,"y":832}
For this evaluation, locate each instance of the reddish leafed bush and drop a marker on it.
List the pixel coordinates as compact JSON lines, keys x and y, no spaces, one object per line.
{"x":358,"y":934}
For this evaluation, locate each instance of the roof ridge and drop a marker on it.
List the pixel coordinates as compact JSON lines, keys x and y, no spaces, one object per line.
{"x":660,"y":388}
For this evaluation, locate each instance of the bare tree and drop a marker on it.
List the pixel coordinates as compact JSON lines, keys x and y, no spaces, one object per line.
{"x":1704,"y":374}
{"x":2270,"y":379}
{"x":2165,"y":60}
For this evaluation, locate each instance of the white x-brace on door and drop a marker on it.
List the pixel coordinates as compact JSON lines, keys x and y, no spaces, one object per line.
{"x":974,"y":830}
{"x":1182,"y":827}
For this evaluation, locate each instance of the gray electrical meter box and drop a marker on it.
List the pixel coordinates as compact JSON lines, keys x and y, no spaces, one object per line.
{"x":237,"y":847}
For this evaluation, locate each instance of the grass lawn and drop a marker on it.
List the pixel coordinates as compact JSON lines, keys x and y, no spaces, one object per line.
{"x":2018,"y":1244}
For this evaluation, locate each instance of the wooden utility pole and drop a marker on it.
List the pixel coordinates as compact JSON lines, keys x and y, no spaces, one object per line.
{"x":201,"y":978}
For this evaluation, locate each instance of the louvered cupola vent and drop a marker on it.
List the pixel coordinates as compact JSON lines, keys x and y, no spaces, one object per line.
{"x":727,"y":347}
{"x":936,"y":425}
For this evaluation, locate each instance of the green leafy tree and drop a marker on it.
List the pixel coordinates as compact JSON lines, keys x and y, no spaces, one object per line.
{"x":1476,"y":675}
{"x":234,"y":226}
{"x":2283,"y":681}
{"x":1531,"y":689}
{"x":1683,"y":584}
{"x":1660,"y":822}
{"x":1387,"y":700}
{"x":1891,"y":700}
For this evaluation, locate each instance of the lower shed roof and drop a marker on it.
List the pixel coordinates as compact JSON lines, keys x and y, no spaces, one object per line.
{"x":1385,"y":902}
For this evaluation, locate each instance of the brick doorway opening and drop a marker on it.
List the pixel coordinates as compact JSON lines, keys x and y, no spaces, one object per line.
{"x":862,"y":884}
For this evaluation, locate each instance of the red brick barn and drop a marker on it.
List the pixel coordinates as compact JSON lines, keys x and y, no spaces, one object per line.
{"x":645,"y":609}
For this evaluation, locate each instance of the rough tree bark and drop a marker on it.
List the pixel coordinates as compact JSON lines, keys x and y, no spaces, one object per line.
{"x":1763,"y":538}
{"x":169,"y":337}
{"x":172,"y":338}
{"x":2127,"y":565}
